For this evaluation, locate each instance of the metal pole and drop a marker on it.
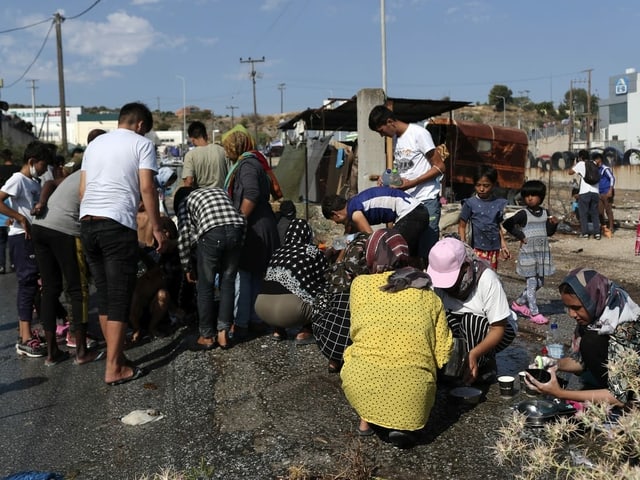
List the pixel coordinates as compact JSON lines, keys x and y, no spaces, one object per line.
{"x":281,"y":87}
{"x":184,"y":114}
{"x":383,"y":35}
{"x":63,"y":105}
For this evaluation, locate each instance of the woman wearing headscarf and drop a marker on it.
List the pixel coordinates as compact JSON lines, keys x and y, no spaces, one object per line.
{"x":249,"y":187}
{"x":477,"y":307}
{"x":331,"y":313}
{"x":294,"y":278}
{"x":608,"y":328}
{"x":400,"y":340}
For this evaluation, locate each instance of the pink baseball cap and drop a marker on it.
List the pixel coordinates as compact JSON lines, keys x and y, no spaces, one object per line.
{"x":445,"y":260}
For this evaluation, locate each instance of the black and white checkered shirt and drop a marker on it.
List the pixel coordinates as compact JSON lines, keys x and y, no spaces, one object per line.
{"x":204,"y":209}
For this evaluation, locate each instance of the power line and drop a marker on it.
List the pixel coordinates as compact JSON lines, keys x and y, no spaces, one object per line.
{"x":25,"y":27}
{"x":46,"y":20}
{"x":35,"y":59}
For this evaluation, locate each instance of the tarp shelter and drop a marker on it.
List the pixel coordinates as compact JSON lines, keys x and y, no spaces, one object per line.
{"x":330,"y":170}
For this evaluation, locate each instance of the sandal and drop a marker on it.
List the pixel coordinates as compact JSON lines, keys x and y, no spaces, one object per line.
{"x":539,"y":319}
{"x":61,"y":356}
{"x":226,"y":343}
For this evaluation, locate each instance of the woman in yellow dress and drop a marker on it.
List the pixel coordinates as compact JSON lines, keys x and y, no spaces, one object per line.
{"x":400,"y":339}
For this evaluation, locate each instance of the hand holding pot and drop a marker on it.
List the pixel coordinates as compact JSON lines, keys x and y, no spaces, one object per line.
{"x":552,"y":387}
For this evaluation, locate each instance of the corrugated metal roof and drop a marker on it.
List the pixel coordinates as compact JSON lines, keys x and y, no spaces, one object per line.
{"x":344,"y":117}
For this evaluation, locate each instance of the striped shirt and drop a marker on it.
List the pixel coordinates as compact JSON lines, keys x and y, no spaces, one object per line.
{"x":382,"y":204}
{"x":204,"y":209}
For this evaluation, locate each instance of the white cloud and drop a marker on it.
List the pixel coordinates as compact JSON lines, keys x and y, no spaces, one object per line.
{"x":119,"y":41}
{"x":144,"y":2}
{"x":269,"y":5}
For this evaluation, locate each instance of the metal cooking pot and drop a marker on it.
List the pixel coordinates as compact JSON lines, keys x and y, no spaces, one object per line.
{"x":539,"y":411}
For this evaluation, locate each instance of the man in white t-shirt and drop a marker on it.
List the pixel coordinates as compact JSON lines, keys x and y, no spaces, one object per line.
{"x":588,"y":199}
{"x":417,"y":160}
{"x":117,"y":169}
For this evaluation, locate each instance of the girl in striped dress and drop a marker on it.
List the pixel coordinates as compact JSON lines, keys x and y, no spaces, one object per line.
{"x":532,"y":226}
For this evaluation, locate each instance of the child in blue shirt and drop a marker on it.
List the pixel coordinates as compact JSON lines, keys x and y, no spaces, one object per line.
{"x":485,"y":212}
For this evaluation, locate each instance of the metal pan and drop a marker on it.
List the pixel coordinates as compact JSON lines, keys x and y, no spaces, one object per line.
{"x":540,"y":411}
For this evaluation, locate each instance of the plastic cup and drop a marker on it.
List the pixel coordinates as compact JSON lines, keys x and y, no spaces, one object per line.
{"x":523,"y":385}
{"x":506,"y":383}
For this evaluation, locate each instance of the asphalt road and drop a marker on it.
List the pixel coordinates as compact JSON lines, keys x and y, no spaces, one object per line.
{"x":251,"y":412}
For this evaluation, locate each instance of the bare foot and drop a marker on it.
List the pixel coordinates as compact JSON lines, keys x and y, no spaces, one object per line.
{"x":89,"y":357}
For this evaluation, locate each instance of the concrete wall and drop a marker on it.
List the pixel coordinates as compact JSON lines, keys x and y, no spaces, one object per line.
{"x":371,"y":156}
{"x":627,"y":176}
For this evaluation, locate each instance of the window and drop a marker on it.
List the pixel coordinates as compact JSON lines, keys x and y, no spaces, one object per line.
{"x":618,"y":113}
{"x":484,"y":146}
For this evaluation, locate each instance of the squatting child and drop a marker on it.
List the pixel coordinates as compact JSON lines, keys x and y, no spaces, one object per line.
{"x":532,"y":226}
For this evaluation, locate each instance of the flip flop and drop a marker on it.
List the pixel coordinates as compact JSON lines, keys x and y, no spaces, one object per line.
{"x":364,"y":433}
{"x":97,"y":358}
{"x":137,"y":373}
{"x":61,"y":357}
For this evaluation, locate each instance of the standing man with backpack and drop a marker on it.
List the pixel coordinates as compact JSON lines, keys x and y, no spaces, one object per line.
{"x":588,"y":195}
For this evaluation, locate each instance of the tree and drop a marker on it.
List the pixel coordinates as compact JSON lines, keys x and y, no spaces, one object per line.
{"x":497,"y":93}
{"x":579,"y":98}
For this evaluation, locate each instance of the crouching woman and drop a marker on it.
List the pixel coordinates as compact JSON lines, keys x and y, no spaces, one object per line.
{"x":400,"y":339}
{"x":607,"y":332}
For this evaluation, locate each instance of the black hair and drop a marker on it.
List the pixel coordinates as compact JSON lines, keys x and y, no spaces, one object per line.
{"x":135,"y":112}
{"x":197,"y":130}
{"x":583,"y":154}
{"x":565,"y":288}
{"x":38,"y":150}
{"x":597,"y":155}
{"x":379,"y":115}
{"x":180,"y":196}
{"x":485,"y":171}
{"x":332,"y":203}
{"x":534,"y":188}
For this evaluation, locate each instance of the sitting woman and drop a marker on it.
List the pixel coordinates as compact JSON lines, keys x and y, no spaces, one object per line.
{"x":608,"y":328}
{"x":331,"y":313}
{"x":400,"y":340}
{"x":477,"y":307}
{"x":294,"y":277}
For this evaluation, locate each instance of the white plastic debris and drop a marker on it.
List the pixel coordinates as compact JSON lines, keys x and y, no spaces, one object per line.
{"x":140,"y":417}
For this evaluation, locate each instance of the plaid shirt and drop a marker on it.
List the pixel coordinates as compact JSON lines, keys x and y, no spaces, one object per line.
{"x":204,"y":209}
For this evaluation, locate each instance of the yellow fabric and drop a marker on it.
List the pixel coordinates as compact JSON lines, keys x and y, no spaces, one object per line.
{"x":399,"y":341}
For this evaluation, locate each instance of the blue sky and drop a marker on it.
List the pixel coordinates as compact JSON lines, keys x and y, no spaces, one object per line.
{"x":124,"y":50}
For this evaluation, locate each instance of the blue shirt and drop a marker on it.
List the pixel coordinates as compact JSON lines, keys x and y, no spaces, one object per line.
{"x":382,"y":204}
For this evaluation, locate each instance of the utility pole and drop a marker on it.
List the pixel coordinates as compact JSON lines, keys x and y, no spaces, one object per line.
{"x":232,"y":108}
{"x":63,"y":105}
{"x":253,"y":81}
{"x":571,"y":116}
{"x":281,"y":87}
{"x":588,"y":107}
{"x":33,"y":105}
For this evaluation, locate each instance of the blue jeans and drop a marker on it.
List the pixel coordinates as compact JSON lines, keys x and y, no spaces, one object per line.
{"x":248,"y":286}
{"x":433,"y":235}
{"x":218,"y":252}
{"x":588,"y":212}
{"x":111,"y":250}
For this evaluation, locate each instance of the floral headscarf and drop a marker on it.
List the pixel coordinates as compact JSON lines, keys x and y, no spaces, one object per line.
{"x":607,"y":303}
{"x":386,"y":250}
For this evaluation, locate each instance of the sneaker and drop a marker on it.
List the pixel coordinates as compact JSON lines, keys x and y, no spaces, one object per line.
{"x":2,"y":270}
{"x":597,"y":236}
{"x":584,"y":235}
{"x":539,"y":319}
{"x":71,"y":341}
{"x":35,"y":333}
{"x":521,"y":310}
{"x":31,"y":348}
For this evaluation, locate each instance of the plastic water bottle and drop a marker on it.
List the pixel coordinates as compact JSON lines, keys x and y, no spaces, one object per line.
{"x":554,"y":344}
{"x":386,"y":177}
{"x":395,"y":179}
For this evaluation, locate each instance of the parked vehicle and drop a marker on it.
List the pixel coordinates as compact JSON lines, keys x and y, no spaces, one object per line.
{"x":471,"y":144}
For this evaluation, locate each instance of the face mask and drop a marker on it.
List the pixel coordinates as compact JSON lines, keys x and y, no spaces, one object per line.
{"x":33,"y":172}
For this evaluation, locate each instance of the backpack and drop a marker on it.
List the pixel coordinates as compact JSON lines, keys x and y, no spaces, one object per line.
{"x":591,"y":172}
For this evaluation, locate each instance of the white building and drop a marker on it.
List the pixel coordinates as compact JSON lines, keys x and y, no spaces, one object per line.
{"x":620,"y":113}
{"x":48,"y":122}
